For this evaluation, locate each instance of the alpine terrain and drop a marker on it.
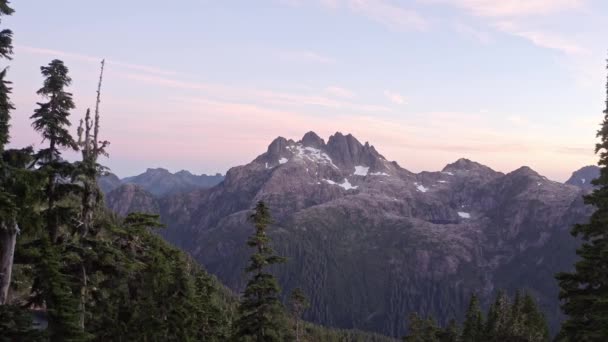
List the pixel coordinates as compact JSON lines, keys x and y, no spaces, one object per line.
{"x":370,"y":241}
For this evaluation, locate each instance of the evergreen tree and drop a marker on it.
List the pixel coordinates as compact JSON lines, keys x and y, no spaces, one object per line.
{"x":450,"y":333}
{"x":54,"y":284}
{"x":261,"y":314}
{"x":299,"y":303}
{"x":51,"y":119}
{"x":499,"y":321}
{"x":472,"y":330}
{"x":584,"y":292}
{"x":422,"y":329}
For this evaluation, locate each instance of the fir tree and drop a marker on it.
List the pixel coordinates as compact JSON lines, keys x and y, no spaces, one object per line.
{"x":584,"y":292}
{"x":421,"y":329}
{"x":261,"y":314}
{"x":299,"y":303}
{"x":498,"y":325}
{"x":450,"y":333}
{"x":51,"y":119}
{"x":472,"y":330}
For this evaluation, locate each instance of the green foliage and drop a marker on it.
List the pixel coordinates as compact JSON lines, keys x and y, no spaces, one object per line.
{"x":51,"y":118}
{"x":472,"y":330}
{"x":261,"y":313}
{"x":584,"y":292}
{"x":16,"y":325}
{"x":520,"y":321}
{"x":315,"y":333}
{"x":150,"y":291}
{"x":422,"y":329}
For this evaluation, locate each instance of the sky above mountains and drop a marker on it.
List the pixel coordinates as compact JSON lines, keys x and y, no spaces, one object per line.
{"x":205,"y":85}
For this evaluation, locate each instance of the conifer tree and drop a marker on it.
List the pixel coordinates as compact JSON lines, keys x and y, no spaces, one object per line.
{"x":499,"y":320}
{"x":298,"y":303}
{"x":51,"y":119}
{"x":261,"y":314}
{"x":450,"y":333}
{"x":421,"y":329}
{"x":584,"y":292}
{"x":472,"y":330}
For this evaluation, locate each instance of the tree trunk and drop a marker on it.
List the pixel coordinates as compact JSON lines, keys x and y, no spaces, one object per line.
{"x":83,"y":296}
{"x":8,"y":239}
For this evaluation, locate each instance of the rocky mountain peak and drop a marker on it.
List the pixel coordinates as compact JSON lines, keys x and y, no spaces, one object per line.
{"x":311,"y":139}
{"x":525,"y":171}
{"x":582,"y":178}
{"x":347,"y":151}
{"x":157,"y":171}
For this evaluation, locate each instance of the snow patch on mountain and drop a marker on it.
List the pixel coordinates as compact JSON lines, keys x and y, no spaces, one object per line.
{"x":312,"y":154}
{"x":421,"y":187}
{"x":361,"y":170}
{"x":282,"y":160}
{"x":464,"y":215}
{"x":379,"y":174}
{"x":344,"y":185}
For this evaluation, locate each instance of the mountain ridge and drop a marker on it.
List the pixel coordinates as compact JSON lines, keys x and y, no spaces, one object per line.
{"x":370,"y":241}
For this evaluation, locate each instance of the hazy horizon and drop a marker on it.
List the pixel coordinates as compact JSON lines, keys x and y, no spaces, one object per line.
{"x":204,"y":86}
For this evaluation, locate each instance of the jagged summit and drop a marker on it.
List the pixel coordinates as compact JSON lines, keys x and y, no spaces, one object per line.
{"x":311,"y":139}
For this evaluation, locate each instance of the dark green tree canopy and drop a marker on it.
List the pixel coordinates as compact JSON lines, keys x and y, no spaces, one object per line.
{"x":51,"y":118}
{"x":584,"y":292}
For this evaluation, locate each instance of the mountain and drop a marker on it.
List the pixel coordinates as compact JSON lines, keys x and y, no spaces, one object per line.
{"x":370,"y":242}
{"x":583,"y":177}
{"x":108,"y":182}
{"x":129,"y":198}
{"x":160,"y":182}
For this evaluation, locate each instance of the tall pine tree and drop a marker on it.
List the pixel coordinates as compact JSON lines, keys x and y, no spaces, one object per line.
{"x":54,"y":287}
{"x":584,"y":292}
{"x":472,"y":330}
{"x":261,"y":313}
{"x":51,"y":119}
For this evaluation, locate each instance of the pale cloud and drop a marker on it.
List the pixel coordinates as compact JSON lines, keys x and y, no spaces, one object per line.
{"x":384,"y":12}
{"x":92,"y":59}
{"x":542,"y":39}
{"x":388,"y":13}
{"x":340,"y":92}
{"x":269,"y":97}
{"x":394,"y":97}
{"x":513,"y":8}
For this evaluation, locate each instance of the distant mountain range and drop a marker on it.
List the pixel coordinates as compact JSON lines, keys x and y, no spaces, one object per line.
{"x":369,"y":241}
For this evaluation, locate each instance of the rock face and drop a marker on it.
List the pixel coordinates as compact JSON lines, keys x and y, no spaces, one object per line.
{"x":129,"y":198}
{"x":583,"y":177}
{"x":370,"y":242}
